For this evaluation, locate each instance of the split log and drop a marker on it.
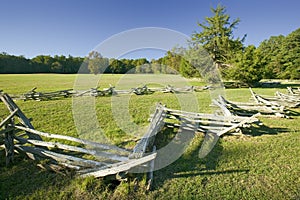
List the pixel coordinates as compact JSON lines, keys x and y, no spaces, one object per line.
{"x":141,"y":90}
{"x":151,"y":169}
{"x":73,"y":148}
{"x":61,"y":158}
{"x":273,"y":101}
{"x":237,"y":125}
{"x":148,"y":139}
{"x":32,"y":94}
{"x":10,"y":104}
{"x":223,"y":108}
{"x":169,"y":88}
{"x":7,"y":119}
{"x":9,"y":146}
{"x":210,"y":117}
{"x":211,"y":121}
{"x":122,"y":167}
{"x":293,"y":91}
{"x":290,"y":98}
{"x":244,"y":110}
{"x":73,"y":139}
{"x":253,"y":95}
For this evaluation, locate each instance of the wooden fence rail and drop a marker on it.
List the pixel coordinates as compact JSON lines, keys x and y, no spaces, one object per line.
{"x":90,"y":158}
{"x":276,"y":100}
{"x":241,"y":109}
{"x":33,"y":94}
{"x":106,"y":159}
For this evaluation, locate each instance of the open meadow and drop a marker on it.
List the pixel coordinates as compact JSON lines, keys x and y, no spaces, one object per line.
{"x":265,"y":164}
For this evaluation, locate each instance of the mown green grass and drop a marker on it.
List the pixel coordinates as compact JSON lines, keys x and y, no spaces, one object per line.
{"x":264,"y":166}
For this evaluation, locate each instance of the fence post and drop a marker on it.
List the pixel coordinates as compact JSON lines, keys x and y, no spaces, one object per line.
{"x":9,"y":145}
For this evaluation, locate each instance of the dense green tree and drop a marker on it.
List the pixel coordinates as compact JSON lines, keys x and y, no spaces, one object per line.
{"x":117,"y":67}
{"x":96,"y":62}
{"x":187,"y":70}
{"x":247,"y":66}
{"x":172,"y":60}
{"x":56,"y":66}
{"x":291,"y":56}
{"x":280,"y":56}
{"x":271,"y":56}
{"x":217,"y":37}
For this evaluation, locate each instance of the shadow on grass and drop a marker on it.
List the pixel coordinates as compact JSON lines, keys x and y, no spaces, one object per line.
{"x":189,"y":164}
{"x":23,"y":178}
{"x":275,"y":84}
{"x":279,"y":86}
{"x":294,"y":113}
{"x":259,"y":130}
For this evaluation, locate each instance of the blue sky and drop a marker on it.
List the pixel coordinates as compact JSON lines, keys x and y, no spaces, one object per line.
{"x":70,"y":27}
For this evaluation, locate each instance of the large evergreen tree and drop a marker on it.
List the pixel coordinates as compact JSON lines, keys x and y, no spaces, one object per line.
{"x":216,"y":36}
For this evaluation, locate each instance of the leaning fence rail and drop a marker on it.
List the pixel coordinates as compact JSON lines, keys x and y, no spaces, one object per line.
{"x":89,"y":158}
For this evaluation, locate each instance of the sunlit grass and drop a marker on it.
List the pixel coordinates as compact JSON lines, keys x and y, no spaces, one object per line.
{"x":265,"y":166}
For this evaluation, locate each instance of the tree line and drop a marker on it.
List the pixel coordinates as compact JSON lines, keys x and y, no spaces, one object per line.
{"x":94,"y":63}
{"x":275,"y":58}
{"x":39,"y":64}
{"x":66,"y":65}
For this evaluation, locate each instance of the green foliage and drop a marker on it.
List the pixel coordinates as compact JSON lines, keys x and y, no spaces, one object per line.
{"x":39,"y":64}
{"x":172,"y":60}
{"x":246,"y":66}
{"x":96,"y":62}
{"x":187,"y":70}
{"x":280,"y":56}
{"x":270,"y":56}
{"x":217,"y":35}
{"x":291,"y":58}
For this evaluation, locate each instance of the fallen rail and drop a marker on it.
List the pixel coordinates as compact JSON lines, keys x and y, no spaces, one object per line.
{"x":89,"y":158}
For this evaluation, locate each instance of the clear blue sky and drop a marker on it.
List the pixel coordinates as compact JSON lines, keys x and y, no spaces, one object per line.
{"x":75,"y":27}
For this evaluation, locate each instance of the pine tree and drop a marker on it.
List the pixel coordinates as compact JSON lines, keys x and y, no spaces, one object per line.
{"x":217,"y":36}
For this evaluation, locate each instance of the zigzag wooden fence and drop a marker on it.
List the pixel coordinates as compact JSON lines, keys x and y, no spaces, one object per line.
{"x":20,"y":136}
{"x":294,"y":91}
{"x":275,"y":106}
{"x":96,"y":92}
{"x":230,"y":108}
{"x":278,"y":100}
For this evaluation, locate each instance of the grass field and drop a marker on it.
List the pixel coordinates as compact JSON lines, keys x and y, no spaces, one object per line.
{"x":263,"y":166}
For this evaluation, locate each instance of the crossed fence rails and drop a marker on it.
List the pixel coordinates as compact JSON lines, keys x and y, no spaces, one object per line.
{"x":89,"y":158}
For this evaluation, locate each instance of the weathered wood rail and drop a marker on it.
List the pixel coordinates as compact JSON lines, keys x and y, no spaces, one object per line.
{"x":230,"y":108}
{"x":295,"y":99}
{"x":209,"y":123}
{"x":37,"y":145}
{"x":96,"y":92}
{"x":90,"y":158}
{"x":42,"y":96}
{"x":172,"y":89}
{"x":111,"y":90}
{"x":294,"y":91}
{"x":142,"y":90}
{"x":279,"y":100}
